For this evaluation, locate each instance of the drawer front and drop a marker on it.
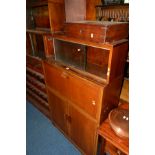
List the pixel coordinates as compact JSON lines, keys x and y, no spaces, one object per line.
{"x":57,"y":79}
{"x":86,"y":95}
{"x":88,"y":32}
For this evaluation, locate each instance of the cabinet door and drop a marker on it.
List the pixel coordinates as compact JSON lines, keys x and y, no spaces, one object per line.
{"x":82,"y":131}
{"x":86,"y":95}
{"x":58,"y":110}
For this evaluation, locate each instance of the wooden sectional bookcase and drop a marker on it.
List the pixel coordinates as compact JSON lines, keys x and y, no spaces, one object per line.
{"x":83,"y":78}
{"x":43,"y":19}
{"x":35,"y":82}
{"x":74,"y":70}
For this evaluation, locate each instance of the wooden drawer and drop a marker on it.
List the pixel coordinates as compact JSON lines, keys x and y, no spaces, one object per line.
{"x":97,"y":31}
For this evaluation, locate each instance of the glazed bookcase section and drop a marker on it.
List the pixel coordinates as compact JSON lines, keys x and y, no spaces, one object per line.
{"x":88,"y":59}
{"x":35,"y":45}
{"x":37,"y":14}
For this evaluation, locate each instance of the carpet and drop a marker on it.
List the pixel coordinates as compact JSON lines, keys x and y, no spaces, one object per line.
{"x":42,"y":138}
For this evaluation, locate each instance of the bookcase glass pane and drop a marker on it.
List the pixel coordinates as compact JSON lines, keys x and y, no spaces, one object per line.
{"x":86,"y":58}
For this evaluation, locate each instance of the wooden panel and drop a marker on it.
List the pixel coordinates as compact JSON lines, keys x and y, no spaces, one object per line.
{"x":75,"y":10}
{"x":125,"y":91}
{"x":119,"y":56}
{"x":56,"y":15}
{"x":74,"y":89}
{"x":84,"y":31}
{"x":41,"y":17}
{"x":86,"y":95}
{"x":82,"y":131}
{"x":111,"y":97}
{"x":58,"y":111}
{"x":119,"y":32}
{"x":91,"y":11}
{"x":48,"y":44}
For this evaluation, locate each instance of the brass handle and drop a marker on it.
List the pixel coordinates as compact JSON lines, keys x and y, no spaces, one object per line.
{"x":93,"y":103}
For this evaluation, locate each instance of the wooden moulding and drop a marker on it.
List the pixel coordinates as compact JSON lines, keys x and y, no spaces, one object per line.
{"x":48,"y":45}
{"x":83,"y":42}
{"x":39,"y":31}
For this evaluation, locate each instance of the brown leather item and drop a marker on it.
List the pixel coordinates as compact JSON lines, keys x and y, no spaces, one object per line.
{"x":119,"y":122}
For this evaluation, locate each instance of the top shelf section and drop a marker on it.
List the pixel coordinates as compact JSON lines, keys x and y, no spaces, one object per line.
{"x":97,"y":31}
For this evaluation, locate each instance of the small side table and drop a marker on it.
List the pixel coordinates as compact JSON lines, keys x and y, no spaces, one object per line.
{"x":111,"y":143}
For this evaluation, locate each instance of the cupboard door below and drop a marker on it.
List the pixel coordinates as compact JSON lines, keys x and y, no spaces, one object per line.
{"x":82,"y":131}
{"x":58,"y":110}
